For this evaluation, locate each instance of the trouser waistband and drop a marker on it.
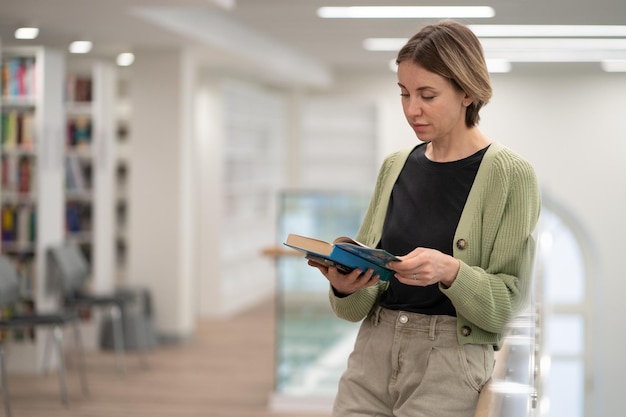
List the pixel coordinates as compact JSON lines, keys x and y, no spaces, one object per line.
{"x":433,"y":324}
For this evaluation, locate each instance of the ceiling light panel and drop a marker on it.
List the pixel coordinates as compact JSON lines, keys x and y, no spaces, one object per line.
{"x":405,"y":12}
{"x":125,"y":59}
{"x":614,"y":65}
{"x":531,"y":49}
{"x":384,"y":44}
{"x":577,"y":44}
{"x":80,"y":47}
{"x":26,"y":33}
{"x":498,"y":65}
{"x":548,"y":31}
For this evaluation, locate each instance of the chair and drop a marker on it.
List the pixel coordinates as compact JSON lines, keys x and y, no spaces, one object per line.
{"x":69,"y":273}
{"x":9,"y":297}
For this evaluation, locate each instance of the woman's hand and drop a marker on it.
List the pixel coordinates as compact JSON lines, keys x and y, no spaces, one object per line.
{"x":424,"y":266}
{"x":346,"y":284}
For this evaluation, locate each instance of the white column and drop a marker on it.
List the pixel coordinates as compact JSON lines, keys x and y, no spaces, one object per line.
{"x":160,"y":208}
{"x":104,"y":141}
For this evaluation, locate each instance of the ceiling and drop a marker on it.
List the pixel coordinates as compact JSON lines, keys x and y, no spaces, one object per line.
{"x":289,"y":29}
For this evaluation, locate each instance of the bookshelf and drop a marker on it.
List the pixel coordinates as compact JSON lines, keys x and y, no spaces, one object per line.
{"x":90,"y":164}
{"x":251,"y":173}
{"x":123,"y":136}
{"x":89,"y":173}
{"x":31,"y":191}
{"x":79,"y":158}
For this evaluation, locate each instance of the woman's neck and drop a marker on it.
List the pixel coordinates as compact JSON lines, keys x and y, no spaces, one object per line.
{"x":457,"y":148}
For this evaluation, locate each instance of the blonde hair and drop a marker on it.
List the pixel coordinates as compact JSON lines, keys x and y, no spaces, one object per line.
{"x":452,"y":50}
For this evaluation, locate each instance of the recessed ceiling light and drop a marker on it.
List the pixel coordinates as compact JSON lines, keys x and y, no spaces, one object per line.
{"x":498,"y":65}
{"x":405,"y":12}
{"x":493,"y":65}
{"x":125,"y":59}
{"x":602,"y":44}
{"x":531,"y":49}
{"x":384,"y":44}
{"x":557,"y":44}
{"x":80,"y":47}
{"x":26,"y":33}
{"x":614,"y":65}
{"x":555,"y":31}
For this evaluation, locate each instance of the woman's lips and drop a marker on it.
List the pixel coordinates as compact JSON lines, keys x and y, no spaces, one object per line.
{"x":419,"y":127}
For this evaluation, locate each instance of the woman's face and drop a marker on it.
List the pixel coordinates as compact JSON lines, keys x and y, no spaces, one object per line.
{"x":432,"y":106}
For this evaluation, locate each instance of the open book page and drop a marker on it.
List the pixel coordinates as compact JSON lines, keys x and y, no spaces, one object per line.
{"x":348,"y":240}
{"x":309,"y":244}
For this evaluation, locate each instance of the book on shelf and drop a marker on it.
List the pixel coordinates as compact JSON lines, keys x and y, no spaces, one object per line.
{"x":79,"y":89}
{"x":18,"y":225}
{"x":18,"y":130}
{"x":18,"y":77}
{"x":79,"y":132}
{"x":75,"y":179}
{"x":344,"y":253}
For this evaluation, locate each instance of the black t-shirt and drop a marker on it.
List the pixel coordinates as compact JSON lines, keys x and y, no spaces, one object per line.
{"x":424,"y":210}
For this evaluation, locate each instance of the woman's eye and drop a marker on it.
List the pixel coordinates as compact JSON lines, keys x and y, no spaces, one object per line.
{"x":428,"y":97}
{"x":404,"y":94}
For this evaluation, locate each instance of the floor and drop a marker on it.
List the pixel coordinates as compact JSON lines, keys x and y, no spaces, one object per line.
{"x":226,"y":371}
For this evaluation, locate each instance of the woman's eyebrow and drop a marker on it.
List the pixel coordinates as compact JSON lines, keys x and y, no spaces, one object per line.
{"x":426,"y":87}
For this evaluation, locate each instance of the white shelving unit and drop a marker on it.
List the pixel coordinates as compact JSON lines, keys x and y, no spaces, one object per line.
{"x":123,"y":139}
{"x":254,"y":148}
{"x":91,"y":165}
{"x":337,"y":147}
{"x":240,"y":172}
{"x":32,"y":91}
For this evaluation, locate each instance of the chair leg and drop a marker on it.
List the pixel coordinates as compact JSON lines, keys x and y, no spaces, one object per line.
{"x":58,"y":340}
{"x":47,"y":351}
{"x":143,"y":356}
{"x":118,"y":337}
{"x":142,"y":345}
{"x":81,"y":358}
{"x":5,"y":387}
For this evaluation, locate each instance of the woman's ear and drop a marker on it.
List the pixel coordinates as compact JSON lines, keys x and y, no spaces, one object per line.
{"x":467,"y":100}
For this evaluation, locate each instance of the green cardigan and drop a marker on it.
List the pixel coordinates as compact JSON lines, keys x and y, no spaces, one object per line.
{"x":493,"y":242}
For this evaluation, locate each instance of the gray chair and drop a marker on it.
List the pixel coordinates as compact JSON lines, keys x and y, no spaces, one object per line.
{"x":69,"y":273}
{"x":55,"y":322}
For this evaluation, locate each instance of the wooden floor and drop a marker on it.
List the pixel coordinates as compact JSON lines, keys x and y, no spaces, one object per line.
{"x":226,"y":371}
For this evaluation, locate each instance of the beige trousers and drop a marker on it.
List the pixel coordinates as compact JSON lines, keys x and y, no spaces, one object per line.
{"x":411,"y":365}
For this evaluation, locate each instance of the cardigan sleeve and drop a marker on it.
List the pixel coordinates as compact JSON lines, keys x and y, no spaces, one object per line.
{"x":357,"y":306}
{"x":493,"y":282}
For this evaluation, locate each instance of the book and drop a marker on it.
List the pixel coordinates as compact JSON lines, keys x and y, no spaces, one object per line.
{"x":344,"y":253}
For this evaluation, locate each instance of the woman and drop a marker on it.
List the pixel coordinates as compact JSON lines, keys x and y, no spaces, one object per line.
{"x":460,"y":209}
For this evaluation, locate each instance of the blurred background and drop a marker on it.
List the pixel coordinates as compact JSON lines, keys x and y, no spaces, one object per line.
{"x":178,"y":142}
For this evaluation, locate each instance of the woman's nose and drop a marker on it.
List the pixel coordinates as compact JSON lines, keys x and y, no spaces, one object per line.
{"x":414,"y":108}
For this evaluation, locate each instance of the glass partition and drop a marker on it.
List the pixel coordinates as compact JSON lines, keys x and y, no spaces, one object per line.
{"x":312,"y":344}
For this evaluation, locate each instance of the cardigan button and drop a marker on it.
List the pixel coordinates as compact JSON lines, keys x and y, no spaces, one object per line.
{"x":461,"y":244}
{"x":466,"y":331}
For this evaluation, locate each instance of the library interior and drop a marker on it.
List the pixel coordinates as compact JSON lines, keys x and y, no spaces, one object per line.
{"x":156,"y":154}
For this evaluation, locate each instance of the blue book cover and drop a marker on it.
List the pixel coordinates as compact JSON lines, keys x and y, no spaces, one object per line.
{"x":344,"y":253}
